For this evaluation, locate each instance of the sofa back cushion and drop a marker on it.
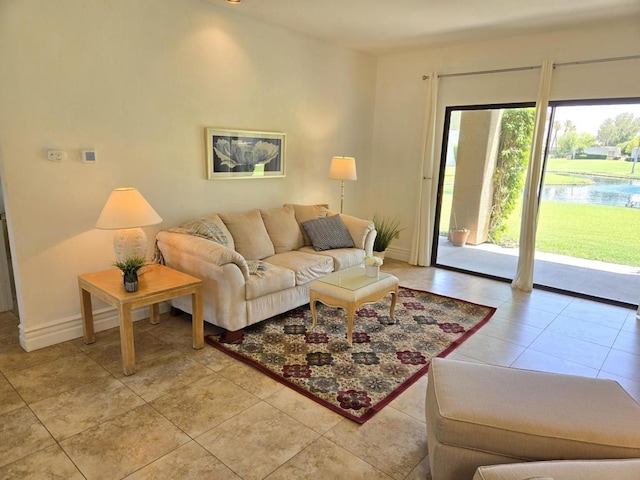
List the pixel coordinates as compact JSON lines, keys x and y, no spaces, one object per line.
{"x":308,"y":212}
{"x":328,"y":233}
{"x":284,"y":231}
{"x":249,"y":234}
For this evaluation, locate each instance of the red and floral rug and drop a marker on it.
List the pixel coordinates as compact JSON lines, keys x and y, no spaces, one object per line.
{"x":386,"y":356}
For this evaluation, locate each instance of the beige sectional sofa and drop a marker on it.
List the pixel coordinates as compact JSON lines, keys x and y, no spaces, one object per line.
{"x":258,"y":264}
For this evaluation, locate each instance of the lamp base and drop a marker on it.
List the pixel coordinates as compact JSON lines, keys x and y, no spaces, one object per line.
{"x":130,"y":242}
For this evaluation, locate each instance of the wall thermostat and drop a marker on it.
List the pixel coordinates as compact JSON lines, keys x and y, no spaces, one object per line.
{"x":89,"y":156}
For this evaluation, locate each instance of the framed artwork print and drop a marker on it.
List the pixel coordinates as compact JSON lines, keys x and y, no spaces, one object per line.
{"x":233,"y":154}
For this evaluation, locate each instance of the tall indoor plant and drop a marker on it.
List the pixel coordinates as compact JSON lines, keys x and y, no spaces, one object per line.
{"x":387,"y":229}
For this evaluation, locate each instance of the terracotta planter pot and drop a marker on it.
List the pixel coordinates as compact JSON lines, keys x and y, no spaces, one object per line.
{"x":459,"y":237}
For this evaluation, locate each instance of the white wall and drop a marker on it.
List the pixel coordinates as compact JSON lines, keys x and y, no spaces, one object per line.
{"x":398,"y":139}
{"x":139,"y":81}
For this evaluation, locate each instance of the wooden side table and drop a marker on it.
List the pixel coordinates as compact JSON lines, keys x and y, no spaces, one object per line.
{"x":157,"y":284}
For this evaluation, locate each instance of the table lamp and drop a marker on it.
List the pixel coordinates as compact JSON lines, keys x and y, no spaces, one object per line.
{"x":126,"y":211}
{"x":343,"y":168}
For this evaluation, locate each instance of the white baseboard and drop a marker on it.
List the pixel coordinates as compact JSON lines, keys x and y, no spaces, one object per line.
{"x":398,"y":254}
{"x":66,"y":329}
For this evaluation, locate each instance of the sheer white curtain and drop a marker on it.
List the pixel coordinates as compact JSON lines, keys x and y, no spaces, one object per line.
{"x":523,"y":279}
{"x":425,"y":209}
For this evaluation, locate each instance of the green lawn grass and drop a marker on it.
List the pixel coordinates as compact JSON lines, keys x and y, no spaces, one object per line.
{"x":613,"y":168}
{"x":593,"y":232}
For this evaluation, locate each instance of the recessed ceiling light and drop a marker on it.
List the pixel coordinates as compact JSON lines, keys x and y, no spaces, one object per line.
{"x":234,"y":1}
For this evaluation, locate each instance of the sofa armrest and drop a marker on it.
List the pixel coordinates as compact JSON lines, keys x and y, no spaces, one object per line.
{"x":180,"y":249}
{"x":360,"y":230}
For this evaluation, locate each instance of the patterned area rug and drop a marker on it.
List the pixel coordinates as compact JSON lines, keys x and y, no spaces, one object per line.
{"x":386,"y":356}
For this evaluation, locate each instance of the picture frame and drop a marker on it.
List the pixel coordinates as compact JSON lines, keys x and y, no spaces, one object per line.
{"x":242,"y":154}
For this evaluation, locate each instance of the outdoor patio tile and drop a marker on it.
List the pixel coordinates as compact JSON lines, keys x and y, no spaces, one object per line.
{"x":391,"y":441}
{"x":533,"y":360}
{"x":325,"y":459}
{"x":575,"y":350}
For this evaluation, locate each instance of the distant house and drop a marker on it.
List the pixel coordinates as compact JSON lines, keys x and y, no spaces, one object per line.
{"x":608,"y":153}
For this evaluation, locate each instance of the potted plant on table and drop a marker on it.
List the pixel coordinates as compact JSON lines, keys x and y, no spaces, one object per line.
{"x":372,"y":266}
{"x":387,"y":229}
{"x":129,"y":267}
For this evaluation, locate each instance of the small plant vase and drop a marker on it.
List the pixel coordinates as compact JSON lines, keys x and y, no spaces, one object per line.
{"x":372,"y":271}
{"x":131,"y":282}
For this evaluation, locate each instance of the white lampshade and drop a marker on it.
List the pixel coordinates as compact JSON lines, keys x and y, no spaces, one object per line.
{"x":126,"y":210}
{"x":343,"y":168}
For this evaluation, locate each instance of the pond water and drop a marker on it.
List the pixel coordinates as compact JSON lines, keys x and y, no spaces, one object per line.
{"x":613,"y":192}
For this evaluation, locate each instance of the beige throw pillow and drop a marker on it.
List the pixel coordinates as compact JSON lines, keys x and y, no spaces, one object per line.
{"x":308,"y":212}
{"x":249,"y":234}
{"x":283,"y":229}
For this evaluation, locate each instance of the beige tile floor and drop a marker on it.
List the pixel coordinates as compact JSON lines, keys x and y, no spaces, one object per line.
{"x":68,"y":412}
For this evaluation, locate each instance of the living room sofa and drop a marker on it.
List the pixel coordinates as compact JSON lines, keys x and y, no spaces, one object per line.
{"x":259,"y":263}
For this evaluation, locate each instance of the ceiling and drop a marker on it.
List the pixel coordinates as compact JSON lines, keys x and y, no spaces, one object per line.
{"x":379,"y":26}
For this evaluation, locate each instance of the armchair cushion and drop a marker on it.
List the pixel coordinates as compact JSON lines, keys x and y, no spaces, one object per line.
{"x":327,"y":233}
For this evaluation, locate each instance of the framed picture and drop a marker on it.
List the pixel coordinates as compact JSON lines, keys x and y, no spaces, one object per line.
{"x":233,"y":154}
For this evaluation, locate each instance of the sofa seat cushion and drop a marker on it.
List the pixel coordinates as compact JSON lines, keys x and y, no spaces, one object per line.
{"x":530,"y":415}
{"x":272,"y":279}
{"x":342,"y":257}
{"x":283,"y":229}
{"x":306,"y":266}
{"x":563,"y":470}
{"x":249,"y":234}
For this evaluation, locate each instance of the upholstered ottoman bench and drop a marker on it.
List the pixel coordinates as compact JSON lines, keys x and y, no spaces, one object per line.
{"x":485,"y":415}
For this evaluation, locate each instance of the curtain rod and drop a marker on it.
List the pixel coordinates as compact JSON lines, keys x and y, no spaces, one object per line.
{"x":533,"y":67}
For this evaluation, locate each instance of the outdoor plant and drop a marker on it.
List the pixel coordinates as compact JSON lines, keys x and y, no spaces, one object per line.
{"x":387,"y":228}
{"x":511,"y":164}
{"x":130,"y":267}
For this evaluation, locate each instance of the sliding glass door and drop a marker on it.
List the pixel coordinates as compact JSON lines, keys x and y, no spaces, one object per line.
{"x":589,"y":199}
